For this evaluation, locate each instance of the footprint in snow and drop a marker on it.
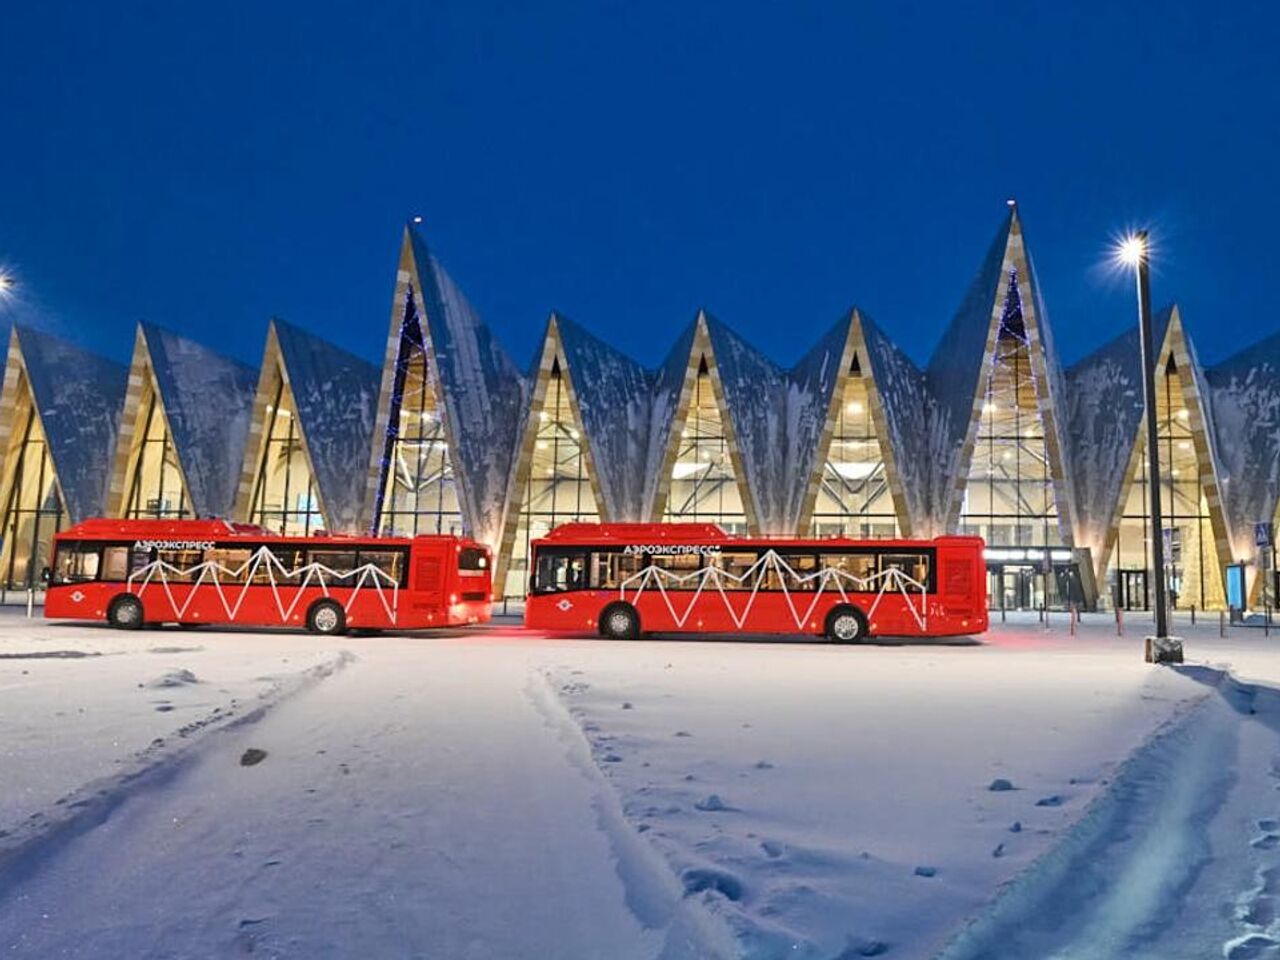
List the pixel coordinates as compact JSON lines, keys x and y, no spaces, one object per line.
{"x":773,"y":849}
{"x":1252,"y":946}
{"x":712,"y":804}
{"x":1053,"y":801}
{"x":1268,"y":841}
{"x":1268,"y":824}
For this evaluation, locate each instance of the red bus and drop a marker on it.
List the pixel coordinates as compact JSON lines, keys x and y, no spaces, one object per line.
{"x":622,"y":580}
{"x":135,"y":572}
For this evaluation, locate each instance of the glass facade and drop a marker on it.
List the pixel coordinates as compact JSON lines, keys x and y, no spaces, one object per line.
{"x":854,"y":499}
{"x":1009,"y":495}
{"x":34,"y":511}
{"x":420,"y":494}
{"x":284,"y":498}
{"x":156,"y":488}
{"x":558,"y":488}
{"x":704,"y":487}
{"x":1194,"y":574}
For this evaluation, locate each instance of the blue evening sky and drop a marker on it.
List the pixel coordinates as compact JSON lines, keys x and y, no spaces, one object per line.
{"x":207,"y":166}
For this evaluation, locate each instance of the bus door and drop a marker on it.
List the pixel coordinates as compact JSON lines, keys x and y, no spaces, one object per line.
{"x":428,"y":573}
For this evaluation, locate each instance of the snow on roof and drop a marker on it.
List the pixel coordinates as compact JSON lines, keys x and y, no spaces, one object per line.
{"x":915,"y":434}
{"x":810,"y":385}
{"x":755,"y":393}
{"x":1245,"y":417}
{"x":666,"y":385}
{"x":484,"y":393}
{"x":208,"y":399}
{"x":613,"y":393}
{"x":336,"y":394}
{"x":1104,"y":409}
{"x":955,"y":369}
{"x":79,"y":396}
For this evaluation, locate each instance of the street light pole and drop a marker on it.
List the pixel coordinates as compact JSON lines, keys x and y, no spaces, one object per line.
{"x":1161,"y":648}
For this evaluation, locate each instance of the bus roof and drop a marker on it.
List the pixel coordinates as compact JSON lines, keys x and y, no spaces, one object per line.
{"x":709,"y":533}
{"x":107,"y":528}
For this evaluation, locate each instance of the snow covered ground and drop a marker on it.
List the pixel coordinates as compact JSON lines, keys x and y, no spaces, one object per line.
{"x":501,"y":794}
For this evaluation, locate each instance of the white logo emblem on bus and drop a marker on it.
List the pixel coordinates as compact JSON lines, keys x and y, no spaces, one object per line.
{"x":77,"y":596}
{"x":565,"y":605}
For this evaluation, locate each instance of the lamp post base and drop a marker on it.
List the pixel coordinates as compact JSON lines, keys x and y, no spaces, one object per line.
{"x":1164,"y":649}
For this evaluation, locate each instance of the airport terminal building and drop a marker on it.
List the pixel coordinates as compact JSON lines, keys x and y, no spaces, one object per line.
{"x":994,"y":436}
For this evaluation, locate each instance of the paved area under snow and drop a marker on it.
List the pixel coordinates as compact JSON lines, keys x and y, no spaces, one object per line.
{"x":501,"y":794}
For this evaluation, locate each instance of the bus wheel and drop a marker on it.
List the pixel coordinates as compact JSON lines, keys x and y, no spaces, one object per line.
{"x":327,"y":617}
{"x":619,"y":621}
{"x":846,"y":624}
{"x":125,"y":612}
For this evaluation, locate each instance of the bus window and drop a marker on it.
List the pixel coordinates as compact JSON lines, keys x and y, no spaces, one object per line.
{"x":178,"y":564}
{"x":609,"y":571}
{"x":736,"y":567}
{"x":914,"y":565}
{"x":115,"y":563}
{"x":390,"y":562}
{"x":861,"y":567}
{"x":76,"y":564}
{"x":233,"y":563}
{"x":681,"y":569}
{"x":140,"y":559}
{"x":339,"y":561}
{"x":560,"y":571}
{"x":794,"y":571}
{"x":472,"y":560}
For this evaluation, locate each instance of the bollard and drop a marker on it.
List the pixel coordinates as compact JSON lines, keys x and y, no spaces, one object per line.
{"x":1222,"y":623}
{"x":31,"y":603}
{"x":1119,"y":622}
{"x":1075,"y":618}
{"x":504,"y":606}
{"x":1044,"y":615}
{"x":1193,"y":614}
{"x":1266,"y":621}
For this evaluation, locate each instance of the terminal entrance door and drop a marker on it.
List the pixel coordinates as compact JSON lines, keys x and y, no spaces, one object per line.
{"x":1015,"y":586}
{"x":1131,"y":589}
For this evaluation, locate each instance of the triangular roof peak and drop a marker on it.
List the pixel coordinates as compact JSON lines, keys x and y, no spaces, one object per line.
{"x":334,"y":393}
{"x":208,"y":438}
{"x":959,"y":370}
{"x":614,"y":393}
{"x":77,"y":397}
{"x":482,"y":391}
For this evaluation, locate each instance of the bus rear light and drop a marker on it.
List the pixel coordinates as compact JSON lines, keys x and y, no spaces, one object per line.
{"x":453,"y":598}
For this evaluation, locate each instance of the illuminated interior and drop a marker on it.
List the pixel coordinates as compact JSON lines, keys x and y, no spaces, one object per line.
{"x":155,"y":486}
{"x":420,"y":493}
{"x":1194,"y":576}
{"x":704,"y":487}
{"x":558,"y":489}
{"x":33,"y":510}
{"x":854,"y":499}
{"x":284,"y":498}
{"x":1009,"y":498}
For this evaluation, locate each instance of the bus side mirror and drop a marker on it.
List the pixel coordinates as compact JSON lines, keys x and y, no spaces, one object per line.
{"x":45,"y":573}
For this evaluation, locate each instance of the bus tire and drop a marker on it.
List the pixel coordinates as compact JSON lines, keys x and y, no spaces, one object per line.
{"x":125,"y":612}
{"x":846,"y":624}
{"x":327,"y":618}
{"x":619,"y":621}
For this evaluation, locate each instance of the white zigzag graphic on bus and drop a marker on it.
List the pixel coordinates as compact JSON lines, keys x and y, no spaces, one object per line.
{"x":891,"y":579}
{"x":207,"y":573}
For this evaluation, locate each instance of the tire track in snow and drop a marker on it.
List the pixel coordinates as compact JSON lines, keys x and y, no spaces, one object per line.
{"x":654,"y":894}
{"x":25,"y":849}
{"x":1139,"y":872}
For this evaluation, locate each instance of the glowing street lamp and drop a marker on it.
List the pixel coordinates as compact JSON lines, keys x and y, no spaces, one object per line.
{"x":1134,"y":252}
